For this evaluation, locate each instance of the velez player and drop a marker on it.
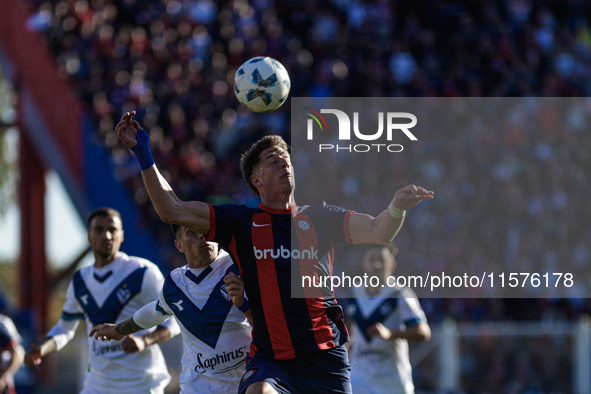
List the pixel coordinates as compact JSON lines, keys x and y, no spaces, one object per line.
{"x":11,"y":348}
{"x":110,"y":291}
{"x":216,"y":334}
{"x":298,"y":343}
{"x":383,"y":320}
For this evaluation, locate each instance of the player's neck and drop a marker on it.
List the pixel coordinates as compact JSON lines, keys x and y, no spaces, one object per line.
{"x":100,"y":261}
{"x":278,"y":202}
{"x":198,"y":264}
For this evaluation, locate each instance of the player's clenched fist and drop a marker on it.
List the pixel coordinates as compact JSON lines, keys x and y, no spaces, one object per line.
{"x":33,"y":357}
{"x":235,"y":288}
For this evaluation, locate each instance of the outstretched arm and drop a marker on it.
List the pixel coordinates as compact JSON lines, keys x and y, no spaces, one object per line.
{"x":107,"y":331}
{"x":16,"y":360}
{"x":132,"y":343}
{"x":34,"y":356}
{"x":56,"y":338}
{"x":417,"y":333}
{"x":382,"y":229}
{"x":191,"y":214}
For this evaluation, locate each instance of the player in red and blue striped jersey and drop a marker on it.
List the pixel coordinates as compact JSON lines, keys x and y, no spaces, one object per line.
{"x":298,"y":344}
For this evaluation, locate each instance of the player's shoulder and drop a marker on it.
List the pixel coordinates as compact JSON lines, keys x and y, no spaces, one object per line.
{"x":83,"y":274}
{"x":235,"y":209}
{"x":4,"y":320}
{"x":321,"y":207}
{"x":139,"y":262}
{"x":406,"y":292}
{"x":133,"y":263}
{"x":224,"y":262}
{"x":178,"y":273}
{"x":7,"y":327}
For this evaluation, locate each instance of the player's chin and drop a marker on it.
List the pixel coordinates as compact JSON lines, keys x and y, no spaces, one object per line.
{"x":287,"y":182}
{"x":105,"y":252}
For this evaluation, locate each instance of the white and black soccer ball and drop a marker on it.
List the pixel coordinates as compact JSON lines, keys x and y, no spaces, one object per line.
{"x":262,"y":84}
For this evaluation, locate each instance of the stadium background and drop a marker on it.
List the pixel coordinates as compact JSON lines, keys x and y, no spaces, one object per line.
{"x":174,"y":62}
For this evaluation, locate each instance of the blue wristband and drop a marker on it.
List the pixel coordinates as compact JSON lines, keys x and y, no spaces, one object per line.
{"x":244,"y":307}
{"x":142,"y":150}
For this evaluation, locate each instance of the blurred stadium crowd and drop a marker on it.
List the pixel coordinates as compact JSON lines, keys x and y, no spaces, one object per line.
{"x":174,"y":62}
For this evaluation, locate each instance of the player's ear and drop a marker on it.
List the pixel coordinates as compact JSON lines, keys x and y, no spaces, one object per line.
{"x":179,"y":246}
{"x":256,"y":182}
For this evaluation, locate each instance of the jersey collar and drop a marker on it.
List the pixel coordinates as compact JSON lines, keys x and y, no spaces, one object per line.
{"x":289,"y":210}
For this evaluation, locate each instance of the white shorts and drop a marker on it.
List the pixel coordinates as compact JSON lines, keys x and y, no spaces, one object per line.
{"x":154,"y":390}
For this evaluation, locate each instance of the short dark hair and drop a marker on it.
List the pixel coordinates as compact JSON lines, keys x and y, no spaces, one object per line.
{"x":103,"y":211}
{"x":391,"y":247}
{"x":251,"y":158}
{"x":175,"y":229}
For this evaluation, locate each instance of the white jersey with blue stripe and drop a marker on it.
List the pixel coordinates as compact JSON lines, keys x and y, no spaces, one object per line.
{"x":111,"y":294}
{"x":379,"y":366}
{"x":216,"y":335}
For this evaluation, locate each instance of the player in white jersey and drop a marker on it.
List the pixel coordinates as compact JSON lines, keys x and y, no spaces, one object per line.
{"x":11,"y":354}
{"x":110,"y":291}
{"x":203,"y":297}
{"x":381,"y":327}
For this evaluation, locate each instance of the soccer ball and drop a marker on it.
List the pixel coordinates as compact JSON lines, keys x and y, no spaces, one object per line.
{"x":262,"y":84}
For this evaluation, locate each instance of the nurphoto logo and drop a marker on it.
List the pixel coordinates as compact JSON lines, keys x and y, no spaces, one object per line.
{"x":393,"y":124}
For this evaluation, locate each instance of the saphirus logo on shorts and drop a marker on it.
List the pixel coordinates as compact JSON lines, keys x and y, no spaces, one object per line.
{"x":390,"y":125}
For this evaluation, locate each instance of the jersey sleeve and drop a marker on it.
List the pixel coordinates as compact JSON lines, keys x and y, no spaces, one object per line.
{"x":151,"y":315}
{"x":151,"y":285}
{"x":9,"y":336}
{"x":72,"y":312}
{"x":72,"y":309}
{"x":410,"y":309}
{"x":337,"y":221}
{"x":152,"y":288}
{"x":222,"y":222}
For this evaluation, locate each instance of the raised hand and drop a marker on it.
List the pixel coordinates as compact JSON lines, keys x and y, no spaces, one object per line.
{"x":409,"y":196}
{"x":235,"y":287}
{"x":105,"y":332}
{"x":127,"y":129}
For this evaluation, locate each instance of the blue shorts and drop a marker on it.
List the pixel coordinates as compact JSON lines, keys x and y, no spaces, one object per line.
{"x":324,"y":371}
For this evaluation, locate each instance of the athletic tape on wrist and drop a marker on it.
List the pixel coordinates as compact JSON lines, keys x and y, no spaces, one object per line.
{"x":142,"y":150}
{"x":396,"y":213}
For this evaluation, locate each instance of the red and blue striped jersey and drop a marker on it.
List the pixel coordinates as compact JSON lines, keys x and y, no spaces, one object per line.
{"x":262,"y":241}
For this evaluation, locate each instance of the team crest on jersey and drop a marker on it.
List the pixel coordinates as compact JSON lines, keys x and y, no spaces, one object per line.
{"x":123,"y":295}
{"x":304,"y":226}
{"x":248,"y":374}
{"x":224,"y":291}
